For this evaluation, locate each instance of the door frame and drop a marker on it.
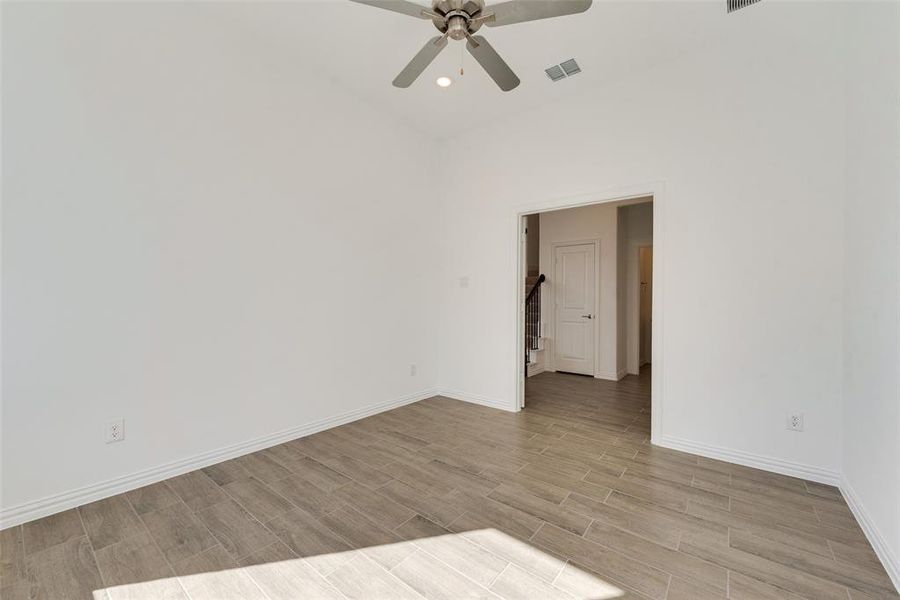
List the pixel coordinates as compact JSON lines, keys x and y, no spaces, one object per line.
{"x":516,"y":302}
{"x":595,"y":328}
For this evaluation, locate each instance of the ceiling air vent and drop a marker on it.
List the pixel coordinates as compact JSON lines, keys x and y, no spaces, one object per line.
{"x":565,"y":69}
{"x":734,"y":5}
{"x":570,"y":67}
{"x":555,"y":73}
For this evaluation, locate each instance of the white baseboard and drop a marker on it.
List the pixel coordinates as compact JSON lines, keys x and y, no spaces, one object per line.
{"x":36,"y":509}
{"x":890,"y":562}
{"x":757,"y":461}
{"x":29,"y":511}
{"x":610,"y":376}
{"x":476,"y":399}
{"x":535,"y":369}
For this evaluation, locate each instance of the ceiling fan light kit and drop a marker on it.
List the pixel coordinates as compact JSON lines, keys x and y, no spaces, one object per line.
{"x":461,"y":19}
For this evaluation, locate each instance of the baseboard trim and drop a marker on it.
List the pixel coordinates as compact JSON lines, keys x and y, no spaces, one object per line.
{"x":535,"y":369}
{"x":757,"y":461}
{"x":476,"y":399}
{"x":49,"y":505}
{"x":888,"y":559}
{"x":609,"y":376}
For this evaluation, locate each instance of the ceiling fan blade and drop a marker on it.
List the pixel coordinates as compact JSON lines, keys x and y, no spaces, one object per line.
{"x":401,"y":6}
{"x":420,"y":61}
{"x":519,"y":11}
{"x":491,"y":62}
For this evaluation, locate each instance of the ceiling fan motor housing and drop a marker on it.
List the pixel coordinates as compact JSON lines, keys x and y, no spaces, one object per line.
{"x":458,"y":15}
{"x":460,"y":19}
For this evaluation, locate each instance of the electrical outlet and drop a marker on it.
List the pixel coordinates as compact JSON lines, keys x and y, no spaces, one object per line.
{"x":115,"y":431}
{"x":463,"y":282}
{"x":413,"y":370}
{"x":795,"y":422}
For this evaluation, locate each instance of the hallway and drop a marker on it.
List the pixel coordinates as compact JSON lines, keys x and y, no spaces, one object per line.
{"x":619,"y":405}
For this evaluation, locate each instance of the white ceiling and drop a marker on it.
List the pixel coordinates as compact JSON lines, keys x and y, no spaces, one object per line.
{"x":362,"y":48}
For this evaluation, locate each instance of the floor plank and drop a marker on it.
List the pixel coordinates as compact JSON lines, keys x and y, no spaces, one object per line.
{"x":444,"y":499}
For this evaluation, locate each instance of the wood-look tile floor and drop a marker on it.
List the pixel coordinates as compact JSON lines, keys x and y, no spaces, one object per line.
{"x":443,"y":499}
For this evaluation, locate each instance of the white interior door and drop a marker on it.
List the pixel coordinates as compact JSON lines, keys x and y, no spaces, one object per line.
{"x":575,"y":285}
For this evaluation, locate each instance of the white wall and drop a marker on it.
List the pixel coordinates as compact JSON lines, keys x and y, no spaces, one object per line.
{"x":533,"y":244}
{"x":871,"y":386}
{"x":195,"y":239}
{"x":188,"y":227}
{"x":621,"y":288}
{"x":636,"y":230}
{"x":586,"y":223}
{"x":746,"y":140}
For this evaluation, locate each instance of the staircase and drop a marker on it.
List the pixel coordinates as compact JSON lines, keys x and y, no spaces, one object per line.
{"x":529,"y":283}
{"x":533,"y":333}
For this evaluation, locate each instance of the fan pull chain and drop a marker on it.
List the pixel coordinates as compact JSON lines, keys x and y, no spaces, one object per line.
{"x":461,"y":71}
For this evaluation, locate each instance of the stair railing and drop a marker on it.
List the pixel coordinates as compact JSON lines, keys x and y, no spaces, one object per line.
{"x":533,"y":320}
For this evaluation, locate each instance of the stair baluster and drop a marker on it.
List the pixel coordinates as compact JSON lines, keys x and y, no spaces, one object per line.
{"x":533,"y":320}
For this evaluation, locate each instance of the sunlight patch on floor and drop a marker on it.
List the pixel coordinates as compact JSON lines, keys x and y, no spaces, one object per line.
{"x":455,"y":564}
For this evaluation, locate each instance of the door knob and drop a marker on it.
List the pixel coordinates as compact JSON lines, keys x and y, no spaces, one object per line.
{"x":587,"y":316}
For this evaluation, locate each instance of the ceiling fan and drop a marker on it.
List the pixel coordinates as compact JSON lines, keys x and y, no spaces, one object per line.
{"x":460,"y":19}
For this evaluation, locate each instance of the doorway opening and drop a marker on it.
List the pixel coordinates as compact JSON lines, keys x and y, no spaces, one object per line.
{"x":587,"y":303}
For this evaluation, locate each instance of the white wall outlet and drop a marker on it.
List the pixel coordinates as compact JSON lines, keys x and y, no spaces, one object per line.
{"x":795,"y":421}
{"x":413,"y":370}
{"x":463,"y":282}
{"x":115,"y":431}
